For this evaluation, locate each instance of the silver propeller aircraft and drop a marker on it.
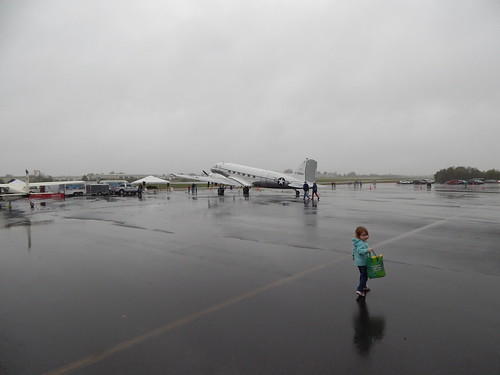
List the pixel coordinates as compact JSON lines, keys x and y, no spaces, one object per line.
{"x":243,"y":175}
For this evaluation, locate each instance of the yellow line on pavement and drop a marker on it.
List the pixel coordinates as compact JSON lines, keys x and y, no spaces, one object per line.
{"x":128,"y":344}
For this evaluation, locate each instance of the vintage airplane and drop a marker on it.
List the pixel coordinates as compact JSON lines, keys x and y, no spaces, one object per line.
{"x":15,"y":189}
{"x":242,"y":175}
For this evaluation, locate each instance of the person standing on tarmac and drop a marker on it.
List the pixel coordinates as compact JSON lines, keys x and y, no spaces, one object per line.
{"x":305,"y":187}
{"x":360,"y":251}
{"x":315,"y":190}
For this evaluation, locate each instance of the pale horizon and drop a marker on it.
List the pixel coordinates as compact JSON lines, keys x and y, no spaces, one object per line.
{"x":405,"y":88}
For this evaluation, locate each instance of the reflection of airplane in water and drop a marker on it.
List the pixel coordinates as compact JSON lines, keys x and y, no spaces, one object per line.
{"x":16,"y":218}
{"x":241,"y":175}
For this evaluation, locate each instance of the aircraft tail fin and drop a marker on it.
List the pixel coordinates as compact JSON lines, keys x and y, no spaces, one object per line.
{"x":27,"y":182}
{"x":307,"y":170}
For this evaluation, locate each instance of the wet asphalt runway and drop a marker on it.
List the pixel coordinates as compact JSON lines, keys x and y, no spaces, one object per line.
{"x":176,"y":284}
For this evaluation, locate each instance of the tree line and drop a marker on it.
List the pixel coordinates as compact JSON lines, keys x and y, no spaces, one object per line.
{"x":465,"y":173}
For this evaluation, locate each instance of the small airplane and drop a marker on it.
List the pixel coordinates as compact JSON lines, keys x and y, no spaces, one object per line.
{"x":15,"y":189}
{"x":243,"y":175}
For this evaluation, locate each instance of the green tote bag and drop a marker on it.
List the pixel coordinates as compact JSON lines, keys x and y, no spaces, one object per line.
{"x":375,"y":266}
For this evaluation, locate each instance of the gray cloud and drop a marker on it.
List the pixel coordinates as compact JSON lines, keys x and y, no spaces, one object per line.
{"x":158,"y":87}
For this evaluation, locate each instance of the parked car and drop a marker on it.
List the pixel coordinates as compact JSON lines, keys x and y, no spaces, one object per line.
{"x":120,"y":187}
{"x":476,"y":181}
{"x":456,"y":182}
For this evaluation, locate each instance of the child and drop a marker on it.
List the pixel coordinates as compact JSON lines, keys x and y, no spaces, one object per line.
{"x":360,"y":251}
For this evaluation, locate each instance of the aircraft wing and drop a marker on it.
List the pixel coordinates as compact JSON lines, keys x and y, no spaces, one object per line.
{"x":215,"y":178}
{"x":238,"y":181}
{"x":13,"y":196}
{"x":296,"y":184}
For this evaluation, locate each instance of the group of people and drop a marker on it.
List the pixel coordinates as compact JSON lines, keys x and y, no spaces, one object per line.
{"x":192,"y":188}
{"x":314,"y":189}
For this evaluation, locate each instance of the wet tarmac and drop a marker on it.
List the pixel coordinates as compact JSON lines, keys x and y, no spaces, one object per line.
{"x":181,"y":284}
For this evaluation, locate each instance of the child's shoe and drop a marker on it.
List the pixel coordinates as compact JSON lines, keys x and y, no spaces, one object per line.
{"x":362,"y":294}
{"x":366,"y":289}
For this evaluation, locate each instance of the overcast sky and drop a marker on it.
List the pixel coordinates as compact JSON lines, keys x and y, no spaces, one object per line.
{"x":401,"y":87}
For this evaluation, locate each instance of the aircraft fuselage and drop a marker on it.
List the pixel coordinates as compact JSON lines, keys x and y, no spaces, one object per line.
{"x":256,"y":176}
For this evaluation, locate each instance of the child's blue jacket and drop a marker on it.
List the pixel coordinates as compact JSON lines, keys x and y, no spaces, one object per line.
{"x":359,"y":251}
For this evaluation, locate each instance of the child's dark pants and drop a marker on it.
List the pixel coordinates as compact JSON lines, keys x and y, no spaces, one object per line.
{"x":363,"y":278}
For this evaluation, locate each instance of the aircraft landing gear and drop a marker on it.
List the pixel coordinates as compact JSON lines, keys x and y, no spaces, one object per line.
{"x":297,"y":194}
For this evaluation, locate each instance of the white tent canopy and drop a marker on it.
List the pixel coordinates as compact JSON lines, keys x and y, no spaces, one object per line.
{"x":151,"y":180}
